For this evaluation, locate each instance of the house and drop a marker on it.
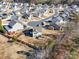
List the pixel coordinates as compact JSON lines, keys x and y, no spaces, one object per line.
{"x":67,"y":13}
{"x":45,"y":9}
{"x":35,"y":32}
{"x":13,"y":26}
{"x":1,"y":5}
{"x":18,"y":13}
{"x":3,"y":15}
{"x":77,"y":10}
{"x":40,"y":10}
{"x":60,"y":7}
{"x":74,"y":6}
{"x":68,"y":10}
{"x":37,"y":12}
{"x":64,"y":15}
{"x":53,"y":27}
{"x":16,"y":7}
{"x":26,"y":8}
{"x":57,"y":19}
{"x":27,"y":16}
{"x":4,"y":18}
{"x":14,"y":17}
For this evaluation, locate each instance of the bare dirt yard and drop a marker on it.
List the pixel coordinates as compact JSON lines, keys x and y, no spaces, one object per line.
{"x":9,"y":50}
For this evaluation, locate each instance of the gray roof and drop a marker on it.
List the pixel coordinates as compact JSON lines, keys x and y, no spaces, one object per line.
{"x":12,"y":23}
{"x":7,"y":27}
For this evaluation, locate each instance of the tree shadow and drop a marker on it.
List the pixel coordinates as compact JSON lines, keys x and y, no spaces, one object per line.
{"x":23,"y":53}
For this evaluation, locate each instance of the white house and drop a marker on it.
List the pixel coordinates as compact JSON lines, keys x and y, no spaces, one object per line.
{"x":14,"y":26}
{"x":16,"y":6}
{"x":5,"y":19}
{"x":60,"y":7}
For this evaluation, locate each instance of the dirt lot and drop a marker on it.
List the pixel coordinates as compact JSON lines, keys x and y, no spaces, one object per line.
{"x":9,"y":50}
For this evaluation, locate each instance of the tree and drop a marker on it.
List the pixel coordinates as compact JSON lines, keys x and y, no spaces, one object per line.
{"x":1,"y":27}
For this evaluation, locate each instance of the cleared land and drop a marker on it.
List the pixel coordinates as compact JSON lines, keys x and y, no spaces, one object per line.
{"x":9,"y":50}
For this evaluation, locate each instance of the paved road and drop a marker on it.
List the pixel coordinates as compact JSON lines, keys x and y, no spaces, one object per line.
{"x":35,"y":23}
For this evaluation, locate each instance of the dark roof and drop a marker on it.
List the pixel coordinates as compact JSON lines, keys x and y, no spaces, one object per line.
{"x":22,"y":1}
{"x":51,"y":27}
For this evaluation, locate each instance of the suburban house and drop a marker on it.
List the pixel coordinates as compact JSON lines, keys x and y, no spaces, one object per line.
{"x":13,"y":26}
{"x":60,"y":7}
{"x":5,"y":19}
{"x":27,"y":16}
{"x":53,"y":27}
{"x":35,"y":32}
